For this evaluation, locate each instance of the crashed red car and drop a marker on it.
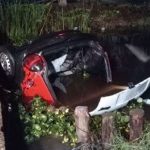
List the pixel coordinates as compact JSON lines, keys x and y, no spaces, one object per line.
{"x":35,"y":67}
{"x":51,"y":62}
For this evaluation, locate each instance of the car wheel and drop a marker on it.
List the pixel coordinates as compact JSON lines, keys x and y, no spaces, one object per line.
{"x":7,"y":62}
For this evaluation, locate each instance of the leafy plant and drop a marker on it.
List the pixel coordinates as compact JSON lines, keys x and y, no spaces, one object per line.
{"x":122,"y":116}
{"x":42,"y":119}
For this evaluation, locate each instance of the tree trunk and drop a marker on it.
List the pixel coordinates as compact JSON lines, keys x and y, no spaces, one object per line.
{"x":108,"y":129}
{"x":136,"y":123}
{"x":82,"y":123}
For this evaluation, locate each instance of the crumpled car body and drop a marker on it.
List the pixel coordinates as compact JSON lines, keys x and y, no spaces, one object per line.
{"x":34,"y":67}
{"x":50,"y":62}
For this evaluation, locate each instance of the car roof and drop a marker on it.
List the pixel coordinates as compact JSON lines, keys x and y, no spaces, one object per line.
{"x":55,"y":40}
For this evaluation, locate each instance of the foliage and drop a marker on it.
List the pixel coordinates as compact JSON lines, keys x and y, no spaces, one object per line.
{"x":23,"y":22}
{"x":143,"y":143}
{"x":42,"y":119}
{"x":95,"y":125}
{"x":122,"y":116}
{"x":61,"y":20}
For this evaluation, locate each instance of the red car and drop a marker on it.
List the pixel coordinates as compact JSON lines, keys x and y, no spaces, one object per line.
{"x":54,"y":65}
{"x":36,"y":68}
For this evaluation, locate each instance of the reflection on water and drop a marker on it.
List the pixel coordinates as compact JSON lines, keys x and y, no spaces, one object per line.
{"x":84,"y":92}
{"x":126,"y":66}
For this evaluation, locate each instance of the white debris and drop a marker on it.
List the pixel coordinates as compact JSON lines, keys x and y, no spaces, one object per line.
{"x":121,"y":99}
{"x":58,"y":62}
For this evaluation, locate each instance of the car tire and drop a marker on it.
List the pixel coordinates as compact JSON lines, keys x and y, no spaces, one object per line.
{"x":7,"y":62}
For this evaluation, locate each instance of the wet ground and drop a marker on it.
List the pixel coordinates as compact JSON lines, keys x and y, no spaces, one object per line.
{"x":126,"y":67}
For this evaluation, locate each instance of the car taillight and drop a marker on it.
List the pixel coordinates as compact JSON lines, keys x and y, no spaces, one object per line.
{"x":34,"y":62}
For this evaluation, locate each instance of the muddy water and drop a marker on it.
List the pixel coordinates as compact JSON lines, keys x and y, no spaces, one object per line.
{"x":85,"y":91}
{"x":126,"y":67}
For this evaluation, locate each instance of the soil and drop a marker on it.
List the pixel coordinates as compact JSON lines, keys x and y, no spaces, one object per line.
{"x":117,"y":18}
{"x":107,"y":17}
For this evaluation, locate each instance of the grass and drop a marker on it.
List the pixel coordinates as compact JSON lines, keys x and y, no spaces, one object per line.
{"x":141,"y":144}
{"x":23,"y":22}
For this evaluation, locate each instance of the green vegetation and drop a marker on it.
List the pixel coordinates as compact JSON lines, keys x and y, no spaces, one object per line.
{"x":41,"y":119}
{"x":23,"y":22}
{"x":143,"y":143}
{"x":122,"y":116}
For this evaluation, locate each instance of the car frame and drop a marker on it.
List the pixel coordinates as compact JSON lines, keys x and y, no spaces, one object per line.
{"x":26,"y":68}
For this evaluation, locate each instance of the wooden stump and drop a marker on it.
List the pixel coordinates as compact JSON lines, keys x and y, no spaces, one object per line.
{"x":136,"y":123}
{"x":82,"y":123}
{"x":108,"y":129}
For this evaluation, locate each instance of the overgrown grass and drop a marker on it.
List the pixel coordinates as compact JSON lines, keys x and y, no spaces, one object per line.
{"x":21,"y":21}
{"x":61,"y":20}
{"x":143,"y":143}
{"x":26,"y":21}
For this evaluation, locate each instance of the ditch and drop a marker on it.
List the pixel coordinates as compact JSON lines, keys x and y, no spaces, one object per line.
{"x":126,"y":67}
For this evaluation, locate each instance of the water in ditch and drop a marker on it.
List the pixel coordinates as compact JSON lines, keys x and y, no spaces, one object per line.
{"x":129,"y":56}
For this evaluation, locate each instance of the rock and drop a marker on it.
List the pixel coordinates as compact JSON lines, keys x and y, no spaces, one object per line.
{"x":48,"y":143}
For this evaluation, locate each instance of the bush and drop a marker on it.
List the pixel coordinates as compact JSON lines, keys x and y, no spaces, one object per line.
{"x":42,"y":119}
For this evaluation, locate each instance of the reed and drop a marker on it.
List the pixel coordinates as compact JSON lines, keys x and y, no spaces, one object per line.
{"x":23,"y":22}
{"x":20,"y":21}
{"x":60,"y":18}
